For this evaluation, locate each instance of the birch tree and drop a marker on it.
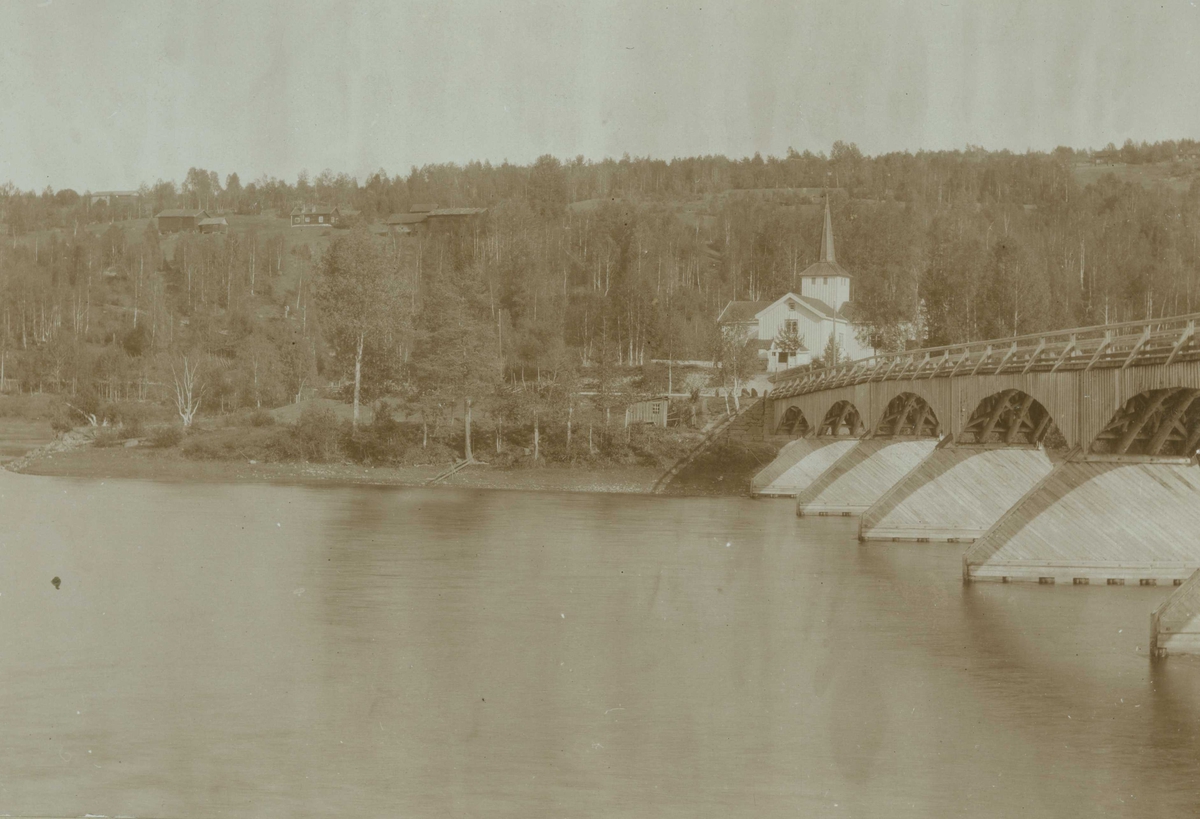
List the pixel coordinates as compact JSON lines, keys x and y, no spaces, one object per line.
{"x":189,"y":389}
{"x":364,"y":309}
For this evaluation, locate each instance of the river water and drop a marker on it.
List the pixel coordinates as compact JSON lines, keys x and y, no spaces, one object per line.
{"x":281,"y":651}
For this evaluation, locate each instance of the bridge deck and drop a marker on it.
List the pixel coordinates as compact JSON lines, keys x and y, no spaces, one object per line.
{"x":1134,"y":343}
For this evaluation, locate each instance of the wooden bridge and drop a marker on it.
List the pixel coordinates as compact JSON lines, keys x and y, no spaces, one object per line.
{"x":1025,"y":445}
{"x":1083,"y":381}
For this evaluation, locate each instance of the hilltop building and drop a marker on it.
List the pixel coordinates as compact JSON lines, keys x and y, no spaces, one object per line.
{"x":213,"y":224}
{"x":111,"y":198}
{"x":315,"y":216}
{"x":818,"y":311}
{"x":432,"y":219}
{"x":179,"y":219}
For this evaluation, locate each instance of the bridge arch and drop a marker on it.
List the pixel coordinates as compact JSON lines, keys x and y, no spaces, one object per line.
{"x":793,"y":423}
{"x":907,"y":415}
{"x":1010,"y":416}
{"x":1162,"y":422}
{"x":843,"y":419}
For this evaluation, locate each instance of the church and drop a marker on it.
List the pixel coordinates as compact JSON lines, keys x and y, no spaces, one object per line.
{"x":814,"y":314}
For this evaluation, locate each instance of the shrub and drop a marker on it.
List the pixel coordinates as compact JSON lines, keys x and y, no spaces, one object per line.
{"x":261,"y":418}
{"x":435,"y":453}
{"x":61,"y":422}
{"x":131,"y":417}
{"x":240,"y":443}
{"x":166,"y":436}
{"x":317,"y":435}
{"x":205,"y":448}
{"x":383,"y":441}
{"x":108,"y":436}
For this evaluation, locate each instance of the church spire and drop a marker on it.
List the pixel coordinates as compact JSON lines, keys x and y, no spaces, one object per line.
{"x":827,"y":235}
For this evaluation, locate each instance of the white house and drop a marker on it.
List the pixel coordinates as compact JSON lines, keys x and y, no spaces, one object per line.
{"x":818,"y":311}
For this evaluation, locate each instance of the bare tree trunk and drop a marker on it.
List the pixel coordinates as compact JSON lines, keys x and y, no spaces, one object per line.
{"x":570,"y":414}
{"x":536,"y":450}
{"x":357,"y":378}
{"x":467,"y":445}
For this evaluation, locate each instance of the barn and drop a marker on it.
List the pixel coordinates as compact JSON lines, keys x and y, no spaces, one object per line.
{"x":176,"y":220}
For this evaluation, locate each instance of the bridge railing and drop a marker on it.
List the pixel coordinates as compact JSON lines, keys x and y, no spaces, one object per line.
{"x":1130,"y":343}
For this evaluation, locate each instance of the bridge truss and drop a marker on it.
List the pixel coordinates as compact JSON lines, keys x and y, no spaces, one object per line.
{"x":1132,"y":343}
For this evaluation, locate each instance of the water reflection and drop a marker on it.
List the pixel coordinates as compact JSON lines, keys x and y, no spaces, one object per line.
{"x":266,"y":650}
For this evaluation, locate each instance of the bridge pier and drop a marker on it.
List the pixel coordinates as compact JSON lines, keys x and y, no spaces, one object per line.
{"x":798,"y":464}
{"x":1115,"y":520}
{"x":1175,"y":625}
{"x":860,"y":477}
{"x":956,"y":494}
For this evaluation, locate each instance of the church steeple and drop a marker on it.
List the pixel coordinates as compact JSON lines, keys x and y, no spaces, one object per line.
{"x":824,"y":279}
{"x":827,"y":254}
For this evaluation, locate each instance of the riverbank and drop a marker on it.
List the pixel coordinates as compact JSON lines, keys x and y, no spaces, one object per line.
{"x":147,"y":463}
{"x":316,"y":447}
{"x":77,"y":458}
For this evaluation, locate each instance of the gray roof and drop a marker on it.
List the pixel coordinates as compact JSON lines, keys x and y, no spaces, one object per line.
{"x":405,"y":218}
{"x":315,"y":210}
{"x":824,"y":269}
{"x":456,"y":211}
{"x":214,"y":220}
{"x":818,"y":305}
{"x":739,"y":311}
{"x":182,"y":212}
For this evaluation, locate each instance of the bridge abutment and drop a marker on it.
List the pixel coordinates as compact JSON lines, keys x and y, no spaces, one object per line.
{"x":798,"y":464}
{"x":1097,"y":520}
{"x":1175,"y":625}
{"x":956,"y":494}
{"x":862,"y":475}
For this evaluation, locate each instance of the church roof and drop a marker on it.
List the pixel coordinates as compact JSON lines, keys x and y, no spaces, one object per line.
{"x":824,"y":268}
{"x":739,"y":311}
{"x":827,"y":254}
{"x":827,"y":265}
{"x":817,"y":306}
{"x":736,"y":312}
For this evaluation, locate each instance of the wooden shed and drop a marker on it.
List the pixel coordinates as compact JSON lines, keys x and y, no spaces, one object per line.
{"x":653,"y":411}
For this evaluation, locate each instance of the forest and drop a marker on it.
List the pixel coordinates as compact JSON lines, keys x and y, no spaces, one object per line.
{"x":581,"y":275}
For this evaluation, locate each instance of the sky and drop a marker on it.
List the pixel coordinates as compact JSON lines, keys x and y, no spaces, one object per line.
{"x":101,"y":95}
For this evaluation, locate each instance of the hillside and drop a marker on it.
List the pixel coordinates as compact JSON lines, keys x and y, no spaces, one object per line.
{"x":1176,"y":175}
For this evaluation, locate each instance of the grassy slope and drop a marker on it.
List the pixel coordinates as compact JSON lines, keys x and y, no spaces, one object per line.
{"x":1177,"y":176}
